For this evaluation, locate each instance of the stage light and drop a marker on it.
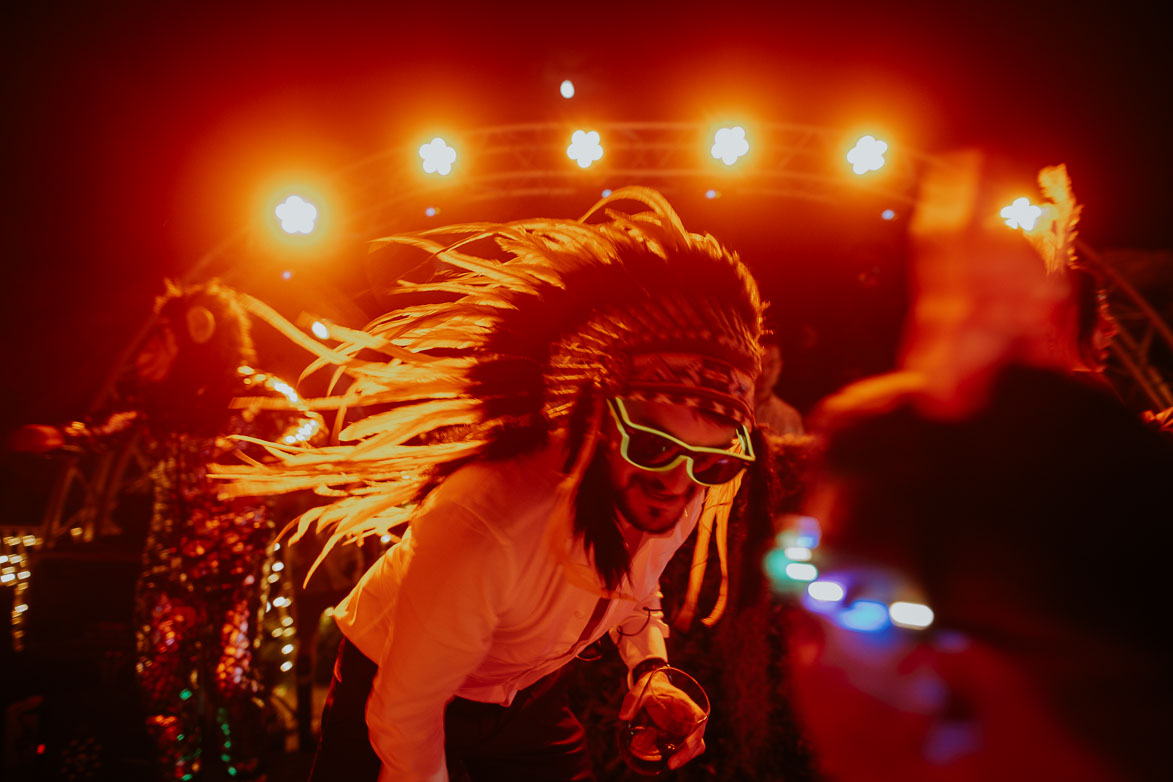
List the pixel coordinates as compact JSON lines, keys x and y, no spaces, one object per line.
{"x":606,"y":192}
{"x":566,"y":88}
{"x":867,"y":155}
{"x":320,"y":330}
{"x":798,"y":553}
{"x":431,"y":211}
{"x":1021,"y":214}
{"x":711,"y":194}
{"x":286,"y":666}
{"x":912,"y":615}
{"x":825,"y":591}
{"x":287,"y":648}
{"x":801,"y":571}
{"x":729,"y":144}
{"x":437,"y":157}
{"x":297,"y":215}
{"x":888,"y":214}
{"x":287,"y":275}
{"x":584,"y":147}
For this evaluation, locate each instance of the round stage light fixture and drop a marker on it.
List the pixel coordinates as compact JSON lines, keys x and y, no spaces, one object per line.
{"x":729,"y":144}
{"x":1021,"y":214}
{"x":867,"y":155}
{"x":566,"y":88}
{"x":584,"y":147}
{"x":437,"y":157}
{"x":297,"y":215}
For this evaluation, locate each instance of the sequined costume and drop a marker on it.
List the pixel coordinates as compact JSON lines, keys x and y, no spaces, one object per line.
{"x":199,"y":603}
{"x":200,"y":597}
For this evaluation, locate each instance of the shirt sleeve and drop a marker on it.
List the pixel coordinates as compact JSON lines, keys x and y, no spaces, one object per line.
{"x":641,"y":633}
{"x":447,"y":608}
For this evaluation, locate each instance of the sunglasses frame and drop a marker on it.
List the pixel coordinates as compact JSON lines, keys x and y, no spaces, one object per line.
{"x":624,"y":423}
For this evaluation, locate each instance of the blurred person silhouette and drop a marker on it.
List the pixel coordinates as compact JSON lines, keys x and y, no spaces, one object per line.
{"x":989,"y":596}
{"x":199,"y":596}
{"x":991,"y":589}
{"x":770,"y":411}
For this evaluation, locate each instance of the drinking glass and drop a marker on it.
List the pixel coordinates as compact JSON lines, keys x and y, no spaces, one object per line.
{"x":661,"y":724}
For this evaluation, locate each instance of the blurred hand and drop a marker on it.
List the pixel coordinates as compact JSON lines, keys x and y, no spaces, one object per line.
{"x":666,"y":705}
{"x":36,"y":438}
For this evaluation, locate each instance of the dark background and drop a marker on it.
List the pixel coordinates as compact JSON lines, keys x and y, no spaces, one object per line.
{"x":137,"y":135}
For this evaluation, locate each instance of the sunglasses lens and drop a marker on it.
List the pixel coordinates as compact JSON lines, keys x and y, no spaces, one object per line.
{"x":714,"y":469}
{"x":649,"y":450}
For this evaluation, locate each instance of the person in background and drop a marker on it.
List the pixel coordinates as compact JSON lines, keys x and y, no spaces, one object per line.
{"x":989,"y":589}
{"x":199,"y":596}
{"x":769,"y":409}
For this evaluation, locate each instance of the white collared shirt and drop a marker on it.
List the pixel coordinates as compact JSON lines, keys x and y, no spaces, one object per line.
{"x":477,"y":602}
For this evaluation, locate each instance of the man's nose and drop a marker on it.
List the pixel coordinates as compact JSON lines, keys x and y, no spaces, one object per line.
{"x":674,"y":481}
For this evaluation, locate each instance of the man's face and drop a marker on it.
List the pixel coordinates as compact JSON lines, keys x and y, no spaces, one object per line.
{"x":654,"y":501}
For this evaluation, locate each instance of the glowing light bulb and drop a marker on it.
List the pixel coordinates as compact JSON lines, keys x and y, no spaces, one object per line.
{"x":278,"y":566}
{"x":280,"y":601}
{"x":431,"y":211}
{"x":1021,"y":214}
{"x":320,"y":330}
{"x":888,"y":214}
{"x":287,"y":666}
{"x":914,"y":615}
{"x":297,"y":215}
{"x":566,"y":88}
{"x":287,"y":275}
{"x":711,"y":194}
{"x":798,"y":553}
{"x":287,"y":648}
{"x":384,"y":538}
{"x":584,"y":147}
{"x":826,"y":591}
{"x":864,"y":615}
{"x":606,"y":192}
{"x":729,"y":144}
{"x":867,"y":155}
{"x":437,"y":157}
{"x":801,"y":571}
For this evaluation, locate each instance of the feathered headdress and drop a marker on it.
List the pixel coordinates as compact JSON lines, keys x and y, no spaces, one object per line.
{"x":524,"y":322}
{"x":1053,"y":234}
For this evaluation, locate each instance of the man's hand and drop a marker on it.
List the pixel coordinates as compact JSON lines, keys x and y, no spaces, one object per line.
{"x":36,"y":438}
{"x":667,"y":705}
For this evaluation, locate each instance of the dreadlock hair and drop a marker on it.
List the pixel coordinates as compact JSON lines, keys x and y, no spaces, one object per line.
{"x":530,"y":327}
{"x":213,"y":339}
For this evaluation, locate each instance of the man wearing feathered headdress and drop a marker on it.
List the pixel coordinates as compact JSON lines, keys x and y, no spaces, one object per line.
{"x":573,"y":400}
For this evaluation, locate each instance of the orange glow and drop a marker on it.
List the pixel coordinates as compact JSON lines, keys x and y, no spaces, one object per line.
{"x":297,"y":215}
{"x":584,"y":147}
{"x":729,"y":144}
{"x":867,"y":155}
{"x":1021,"y":214}
{"x":437,"y":157}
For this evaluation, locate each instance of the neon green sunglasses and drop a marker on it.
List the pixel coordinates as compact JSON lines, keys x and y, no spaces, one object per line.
{"x":657,"y":451}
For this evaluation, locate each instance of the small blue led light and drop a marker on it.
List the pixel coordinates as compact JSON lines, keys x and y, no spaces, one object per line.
{"x":866,"y":616}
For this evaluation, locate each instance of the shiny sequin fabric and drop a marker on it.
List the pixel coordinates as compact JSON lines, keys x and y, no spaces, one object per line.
{"x":200,"y":599}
